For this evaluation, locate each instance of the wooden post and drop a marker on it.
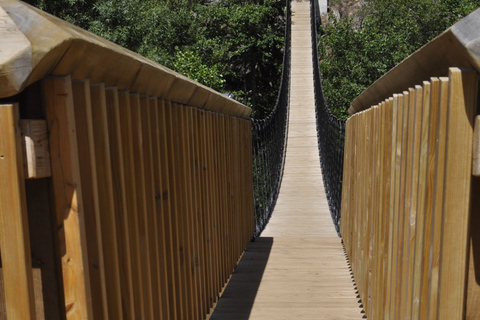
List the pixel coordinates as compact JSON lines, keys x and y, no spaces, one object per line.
{"x":67,"y":193}
{"x":14,"y":232}
{"x":455,"y":223}
{"x":88,"y":176}
{"x":36,"y":153}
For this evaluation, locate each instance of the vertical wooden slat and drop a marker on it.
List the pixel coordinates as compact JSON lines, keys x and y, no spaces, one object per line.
{"x":421,"y":214}
{"x":141,"y":203}
{"x":67,"y":193}
{"x":437,"y":205}
{"x":429,"y":193}
{"x":188,"y":209}
{"x":401,"y":263}
{"x":389,"y":122}
{"x":207,"y":207}
{"x":168,"y":213}
{"x":202,"y":206}
{"x":417,"y":95}
{"x":107,"y":205}
{"x":149,"y":198}
{"x":407,"y":197}
{"x":14,"y":233}
{"x":196,"y":211}
{"x":88,"y":175}
{"x":158,"y":160}
{"x":131,"y":202}
{"x":120,"y":204}
{"x":455,"y":224}
{"x":171,"y":121}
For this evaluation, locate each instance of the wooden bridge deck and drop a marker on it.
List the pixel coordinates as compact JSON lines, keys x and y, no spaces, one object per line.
{"x":297,"y":269}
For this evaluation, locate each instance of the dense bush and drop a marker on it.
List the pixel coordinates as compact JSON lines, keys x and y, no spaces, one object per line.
{"x":357,"y":50}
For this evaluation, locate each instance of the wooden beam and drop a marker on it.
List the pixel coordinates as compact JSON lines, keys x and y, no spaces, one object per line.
{"x":456,"y":209}
{"x":36,"y":155}
{"x":67,"y":193}
{"x":14,"y":232}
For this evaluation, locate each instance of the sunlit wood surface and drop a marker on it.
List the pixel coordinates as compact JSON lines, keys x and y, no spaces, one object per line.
{"x":297,"y":269}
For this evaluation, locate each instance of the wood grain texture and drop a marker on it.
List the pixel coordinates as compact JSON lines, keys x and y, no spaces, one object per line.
{"x":297,"y":268}
{"x":88,"y":175}
{"x":36,"y":153}
{"x":456,"y":214}
{"x":14,"y":233}
{"x":28,"y":57}
{"x":68,"y":197}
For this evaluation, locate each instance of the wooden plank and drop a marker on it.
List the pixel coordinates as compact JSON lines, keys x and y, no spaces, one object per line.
{"x":429,"y":193}
{"x":182,"y":207}
{"x":456,"y":209}
{"x":131,"y":202}
{"x":473,"y":290}
{"x":170,"y":121}
{"x":197,"y":213}
{"x":14,"y":233}
{"x":389,"y":151}
{"x":36,"y":154}
{"x":417,"y":94}
{"x":106,"y":203}
{"x":157,"y":161}
{"x":189,"y":182}
{"x":476,"y":148}
{"x":421,"y":214}
{"x":88,"y":176}
{"x":437,"y":205}
{"x":143,"y":222}
{"x":120,"y":202}
{"x":402,"y":224}
{"x":68,"y":197}
{"x":407,"y":197}
{"x":149,"y":194}
{"x":168,"y":196}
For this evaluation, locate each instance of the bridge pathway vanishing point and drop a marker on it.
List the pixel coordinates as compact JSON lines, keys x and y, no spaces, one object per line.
{"x":297,"y":269}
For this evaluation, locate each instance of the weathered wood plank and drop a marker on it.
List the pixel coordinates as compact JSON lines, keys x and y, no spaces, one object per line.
{"x":120,"y":202}
{"x":108,"y":219}
{"x":68,"y":196}
{"x":88,"y":175}
{"x":131,"y":202}
{"x":14,"y":234}
{"x":36,"y":154}
{"x":456,"y":206}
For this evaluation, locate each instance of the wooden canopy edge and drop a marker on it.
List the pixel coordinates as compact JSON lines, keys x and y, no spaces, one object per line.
{"x":458,"y":46}
{"x":36,"y":44}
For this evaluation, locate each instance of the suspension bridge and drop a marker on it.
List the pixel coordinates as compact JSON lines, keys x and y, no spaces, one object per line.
{"x":128,"y":191}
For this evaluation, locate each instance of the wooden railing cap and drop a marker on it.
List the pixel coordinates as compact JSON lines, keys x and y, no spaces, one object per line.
{"x":458,"y":46}
{"x":36,"y":44}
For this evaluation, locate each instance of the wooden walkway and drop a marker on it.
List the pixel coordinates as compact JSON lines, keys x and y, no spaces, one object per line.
{"x":297,"y":269}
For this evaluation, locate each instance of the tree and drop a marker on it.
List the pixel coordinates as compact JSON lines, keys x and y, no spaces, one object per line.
{"x":354,"y":55}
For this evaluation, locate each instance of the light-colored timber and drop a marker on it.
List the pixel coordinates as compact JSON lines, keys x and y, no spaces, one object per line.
{"x":297,"y":269}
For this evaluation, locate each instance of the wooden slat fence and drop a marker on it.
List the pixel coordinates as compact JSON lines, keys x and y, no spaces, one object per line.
{"x":142,"y":202}
{"x":406,"y":205}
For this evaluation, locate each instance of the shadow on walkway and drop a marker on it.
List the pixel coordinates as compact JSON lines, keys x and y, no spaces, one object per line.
{"x":237,"y":300}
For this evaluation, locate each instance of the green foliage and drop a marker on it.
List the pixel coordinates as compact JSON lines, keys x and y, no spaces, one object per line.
{"x":233,"y":46}
{"x":189,"y":64}
{"x":354,"y":52}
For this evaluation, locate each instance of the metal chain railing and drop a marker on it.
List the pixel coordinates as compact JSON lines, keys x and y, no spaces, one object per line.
{"x":330,"y":132}
{"x":269,"y":143}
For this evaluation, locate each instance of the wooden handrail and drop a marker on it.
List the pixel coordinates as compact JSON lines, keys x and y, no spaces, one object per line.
{"x":36,"y":44}
{"x":456,"y":47}
{"x":147,"y":204}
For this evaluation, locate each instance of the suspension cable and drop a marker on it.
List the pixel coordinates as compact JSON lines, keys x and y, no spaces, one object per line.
{"x":269,"y":143}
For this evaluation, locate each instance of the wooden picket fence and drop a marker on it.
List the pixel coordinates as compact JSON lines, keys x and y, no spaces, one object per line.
{"x":406,"y":205}
{"x":126,"y":189}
